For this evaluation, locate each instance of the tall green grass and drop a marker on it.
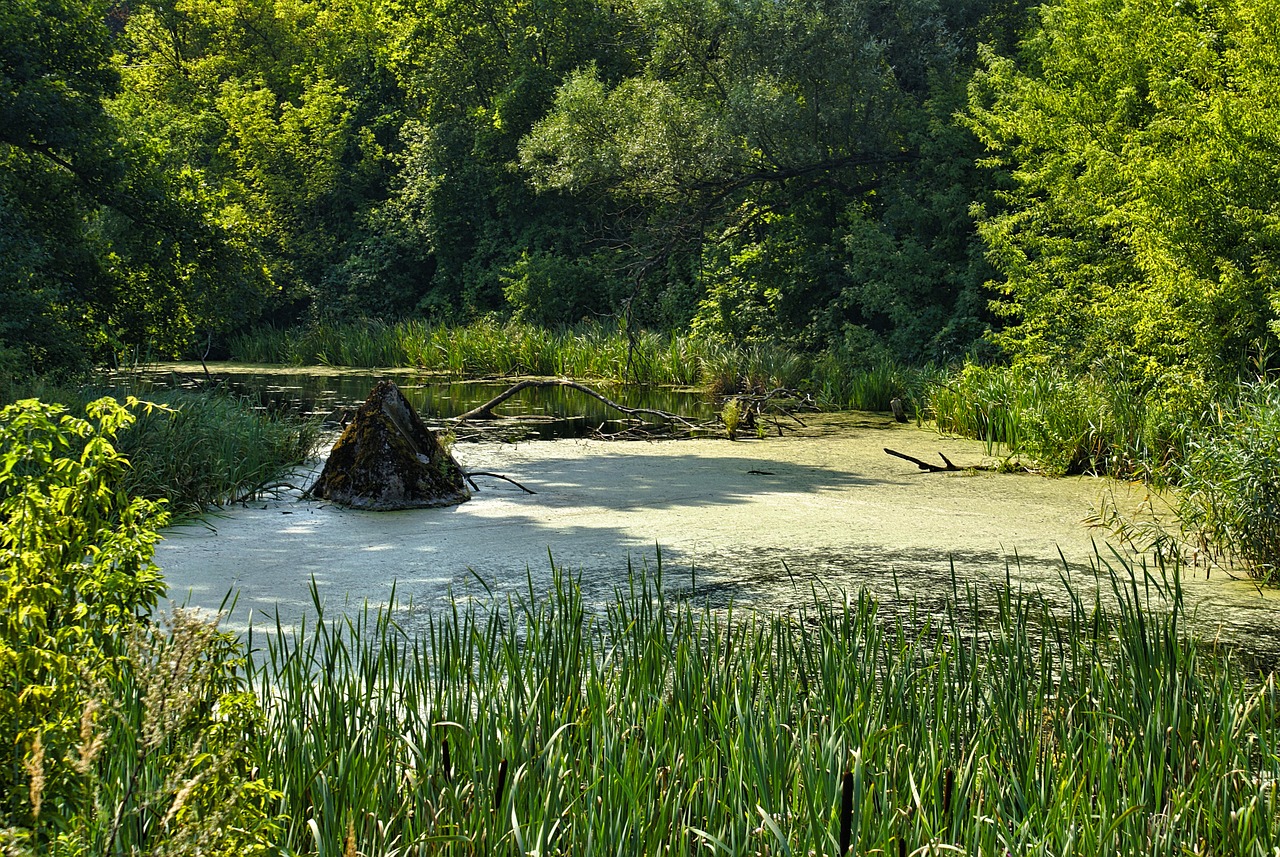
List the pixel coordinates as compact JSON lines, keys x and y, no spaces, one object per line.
{"x":587,"y":352}
{"x":658,"y":726}
{"x":1230,"y":482}
{"x":846,"y":384}
{"x":1102,"y":423}
{"x":210,"y":449}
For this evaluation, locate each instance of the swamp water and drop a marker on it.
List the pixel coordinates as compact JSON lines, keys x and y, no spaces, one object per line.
{"x":762,"y":522}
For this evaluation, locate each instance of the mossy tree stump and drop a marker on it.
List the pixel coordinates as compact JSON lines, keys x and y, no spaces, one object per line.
{"x":387,"y":458}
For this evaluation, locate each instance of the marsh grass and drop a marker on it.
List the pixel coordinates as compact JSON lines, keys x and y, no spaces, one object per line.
{"x":199,"y":448}
{"x":594,"y":352}
{"x":1230,"y":481}
{"x":211,"y":449}
{"x":656,"y":725}
{"x":1101,"y":423}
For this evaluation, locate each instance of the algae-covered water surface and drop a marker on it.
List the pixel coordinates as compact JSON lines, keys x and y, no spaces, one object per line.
{"x":765,"y":522}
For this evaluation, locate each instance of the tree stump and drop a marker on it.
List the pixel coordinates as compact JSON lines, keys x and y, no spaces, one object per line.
{"x":387,"y":458}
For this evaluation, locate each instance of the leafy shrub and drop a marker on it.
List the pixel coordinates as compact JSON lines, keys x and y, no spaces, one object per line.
{"x":117,"y":736}
{"x":75,"y":576}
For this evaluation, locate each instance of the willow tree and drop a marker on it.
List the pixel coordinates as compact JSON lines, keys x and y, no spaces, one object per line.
{"x":780,"y":169}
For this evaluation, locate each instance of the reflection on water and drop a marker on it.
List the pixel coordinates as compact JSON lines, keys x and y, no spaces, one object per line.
{"x":547,"y":412}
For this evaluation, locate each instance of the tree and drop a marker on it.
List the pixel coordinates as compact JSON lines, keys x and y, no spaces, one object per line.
{"x":1141,"y":212}
{"x":759,"y":149}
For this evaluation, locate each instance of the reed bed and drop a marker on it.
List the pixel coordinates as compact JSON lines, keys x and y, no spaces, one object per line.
{"x":656,"y":725}
{"x":210,"y":449}
{"x":1100,"y":423}
{"x":486,"y":348}
{"x":592,"y":352}
{"x":197,"y":449}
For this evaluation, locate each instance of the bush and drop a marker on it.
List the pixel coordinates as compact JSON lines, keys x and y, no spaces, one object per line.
{"x":76,"y":575}
{"x":117,"y":736}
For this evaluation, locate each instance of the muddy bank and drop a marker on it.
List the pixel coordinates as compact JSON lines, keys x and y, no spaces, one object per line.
{"x":755,"y":521}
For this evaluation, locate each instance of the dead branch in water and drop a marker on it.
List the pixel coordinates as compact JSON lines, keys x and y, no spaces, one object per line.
{"x":485,"y":411}
{"x":469,"y":474}
{"x":924,"y":465}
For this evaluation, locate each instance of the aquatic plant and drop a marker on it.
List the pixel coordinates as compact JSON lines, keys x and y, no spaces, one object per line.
{"x":1101,"y":423}
{"x":210,"y":449}
{"x":731,"y":416}
{"x":655,"y":724}
{"x":1230,"y":481}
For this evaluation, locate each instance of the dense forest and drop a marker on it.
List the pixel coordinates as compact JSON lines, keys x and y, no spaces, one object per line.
{"x":924,"y":180}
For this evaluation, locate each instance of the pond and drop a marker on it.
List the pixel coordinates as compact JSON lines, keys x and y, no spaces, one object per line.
{"x":773,"y":523}
{"x":331,"y":394}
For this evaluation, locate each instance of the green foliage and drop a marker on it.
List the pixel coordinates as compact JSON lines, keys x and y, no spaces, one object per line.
{"x":75,"y":576}
{"x":1230,"y":482}
{"x":164,"y":752}
{"x":529,"y":723}
{"x":795,"y":167}
{"x":731,"y":416}
{"x":546,"y":289}
{"x":1141,"y":206}
{"x":120,"y":736}
{"x":1106,"y":422}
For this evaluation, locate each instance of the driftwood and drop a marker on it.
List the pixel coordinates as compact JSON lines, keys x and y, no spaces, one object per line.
{"x":471,"y":473}
{"x":485,"y":411}
{"x":924,"y":465}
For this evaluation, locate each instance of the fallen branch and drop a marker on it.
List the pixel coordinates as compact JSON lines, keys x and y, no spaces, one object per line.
{"x":472,"y":473}
{"x":924,"y":465}
{"x":485,"y":411}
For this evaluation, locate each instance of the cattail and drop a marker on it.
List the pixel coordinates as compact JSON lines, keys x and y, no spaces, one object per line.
{"x":349,"y":844}
{"x":846,"y":812}
{"x":948,"y":786}
{"x":34,"y":766}
{"x":445,"y":762}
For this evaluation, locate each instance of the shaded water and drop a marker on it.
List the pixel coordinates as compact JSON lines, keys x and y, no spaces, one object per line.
{"x":331,"y":394}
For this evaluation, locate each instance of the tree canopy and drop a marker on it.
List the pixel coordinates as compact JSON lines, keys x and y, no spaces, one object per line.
{"x":853,"y":175}
{"x":1143,"y":213}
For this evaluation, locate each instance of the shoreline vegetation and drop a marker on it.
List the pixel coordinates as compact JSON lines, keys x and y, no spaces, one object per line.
{"x":651,"y":723}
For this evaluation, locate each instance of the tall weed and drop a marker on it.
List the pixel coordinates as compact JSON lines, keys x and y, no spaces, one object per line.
{"x":655,"y":725}
{"x":1230,"y":481}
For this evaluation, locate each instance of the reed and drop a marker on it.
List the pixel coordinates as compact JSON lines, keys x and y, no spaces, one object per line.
{"x":210,"y":449}
{"x":1100,"y":423}
{"x":657,"y":725}
{"x":847,"y":384}
{"x":1230,"y":498}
